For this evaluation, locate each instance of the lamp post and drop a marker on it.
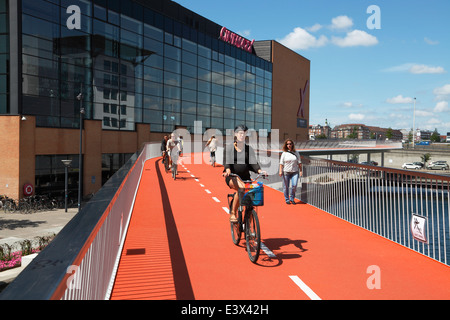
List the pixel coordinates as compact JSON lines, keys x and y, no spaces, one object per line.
{"x":66,"y":173}
{"x":80,"y":162}
{"x":414,"y":123}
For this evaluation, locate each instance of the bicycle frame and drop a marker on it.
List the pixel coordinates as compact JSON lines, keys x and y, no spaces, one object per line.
{"x":247,"y":223}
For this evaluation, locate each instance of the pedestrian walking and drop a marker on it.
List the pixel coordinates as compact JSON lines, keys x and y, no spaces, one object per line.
{"x":212,"y":144}
{"x":290,"y":170}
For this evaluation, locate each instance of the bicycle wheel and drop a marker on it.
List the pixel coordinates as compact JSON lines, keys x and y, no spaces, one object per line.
{"x":9,"y":206}
{"x":24,"y":207}
{"x":236,"y":228}
{"x":166,"y":163}
{"x":252,"y":235}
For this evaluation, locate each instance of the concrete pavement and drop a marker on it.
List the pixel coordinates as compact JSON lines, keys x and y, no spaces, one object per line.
{"x":16,"y":227}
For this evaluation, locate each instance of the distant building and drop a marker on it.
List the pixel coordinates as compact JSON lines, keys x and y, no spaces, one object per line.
{"x":344,"y":130}
{"x":364,"y":132}
{"x":317,"y":130}
{"x":423,"y":135}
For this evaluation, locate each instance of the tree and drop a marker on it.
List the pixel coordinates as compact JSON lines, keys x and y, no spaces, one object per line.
{"x":425,"y":157}
{"x":435,"y":137}
{"x":354,"y":134}
{"x":389,"y":133}
{"x":410,"y":136}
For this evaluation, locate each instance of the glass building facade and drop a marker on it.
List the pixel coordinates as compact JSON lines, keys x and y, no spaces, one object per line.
{"x":132,"y":64}
{"x":4,"y":57}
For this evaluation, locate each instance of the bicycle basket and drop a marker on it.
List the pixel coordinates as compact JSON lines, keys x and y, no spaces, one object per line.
{"x":253,"y":194}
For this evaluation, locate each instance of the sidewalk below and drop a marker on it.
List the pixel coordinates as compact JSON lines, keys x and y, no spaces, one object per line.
{"x":16,"y":227}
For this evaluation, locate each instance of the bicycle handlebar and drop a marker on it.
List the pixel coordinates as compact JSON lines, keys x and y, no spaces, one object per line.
{"x":264,"y":176}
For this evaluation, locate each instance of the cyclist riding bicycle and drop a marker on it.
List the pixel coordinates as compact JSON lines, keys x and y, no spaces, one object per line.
{"x":164,"y":146}
{"x":171,"y":143}
{"x":239,"y":158}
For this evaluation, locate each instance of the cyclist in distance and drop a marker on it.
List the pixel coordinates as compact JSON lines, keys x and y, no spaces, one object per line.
{"x":164,"y":145}
{"x":171,"y":143}
{"x":239,"y":158}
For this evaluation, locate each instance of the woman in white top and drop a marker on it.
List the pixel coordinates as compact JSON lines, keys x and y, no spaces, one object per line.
{"x":290,"y":170}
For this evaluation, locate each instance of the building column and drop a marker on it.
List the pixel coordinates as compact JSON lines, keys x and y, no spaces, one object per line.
{"x":15,"y":57}
{"x":17,"y":159}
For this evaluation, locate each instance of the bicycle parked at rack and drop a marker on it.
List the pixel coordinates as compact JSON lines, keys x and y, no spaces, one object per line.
{"x":28,"y":204}
{"x":250,"y":197}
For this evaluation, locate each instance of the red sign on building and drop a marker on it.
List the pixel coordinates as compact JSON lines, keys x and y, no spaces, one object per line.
{"x":236,"y":40}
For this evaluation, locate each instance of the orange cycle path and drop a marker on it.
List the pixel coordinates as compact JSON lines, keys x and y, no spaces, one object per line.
{"x":178,"y":246}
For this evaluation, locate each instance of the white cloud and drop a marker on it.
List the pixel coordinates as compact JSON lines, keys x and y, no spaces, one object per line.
{"x":314,"y":28}
{"x":400,"y":68}
{"x":355,"y":38}
{"x":442,"y":93}
{"x":433,"y":121}
{"x":398,"y":116}
{"x":356,"y":116}
{"x":422,"y":69}
{"x":441,"y":106}
{"x":421,"y":113}
{"x":244,"y":33}
{"x":349,"y":104}
{"x":416,"y":69}
{"x":431,"y":42}
{"x":300,"y":39}
{"x":399,"y":99}
{"x":341,"y":23}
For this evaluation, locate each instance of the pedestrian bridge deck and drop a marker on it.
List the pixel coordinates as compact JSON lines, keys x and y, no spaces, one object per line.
{"x":178,"y":246}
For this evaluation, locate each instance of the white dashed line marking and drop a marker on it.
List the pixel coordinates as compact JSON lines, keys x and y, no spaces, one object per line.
{"x":215,"y":199}
{"x":311,"y":294}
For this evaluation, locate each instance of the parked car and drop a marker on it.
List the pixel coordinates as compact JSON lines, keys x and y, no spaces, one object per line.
{"x":438,"y":165}
{"x":370,"y":163}
{"x":419,"y":164}
{"x":410,"y":165}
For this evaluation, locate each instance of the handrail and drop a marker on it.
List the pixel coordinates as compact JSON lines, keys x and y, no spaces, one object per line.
{"x":80,"y":262}
{"x":389,"y":202}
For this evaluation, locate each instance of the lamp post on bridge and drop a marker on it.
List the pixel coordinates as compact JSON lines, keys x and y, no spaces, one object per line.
{"x":80,"y":162}
{"x":414,"y":124}
{"x":66,"y":174}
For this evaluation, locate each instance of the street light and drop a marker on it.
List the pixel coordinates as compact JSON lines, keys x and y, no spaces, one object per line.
{"x":414,"y":123}
{"x":66,"y":173}
{"x":80,"y":162}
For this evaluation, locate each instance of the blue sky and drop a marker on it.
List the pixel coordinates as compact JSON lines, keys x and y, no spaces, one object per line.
{"x":358,"y":74}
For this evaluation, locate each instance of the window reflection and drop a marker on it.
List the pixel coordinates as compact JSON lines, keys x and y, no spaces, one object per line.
{"x":132,"y":65}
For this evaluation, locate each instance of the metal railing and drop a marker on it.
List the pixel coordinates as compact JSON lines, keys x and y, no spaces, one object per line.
{"x":408,"y":207}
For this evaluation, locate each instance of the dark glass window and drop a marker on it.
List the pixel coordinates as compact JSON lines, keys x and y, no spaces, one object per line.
{"x":50,"y":175}
{"x":132,"y":65}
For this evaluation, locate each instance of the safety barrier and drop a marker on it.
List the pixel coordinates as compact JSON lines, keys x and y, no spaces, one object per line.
{"x":408,"y":207}
{"x":80,"y":263}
